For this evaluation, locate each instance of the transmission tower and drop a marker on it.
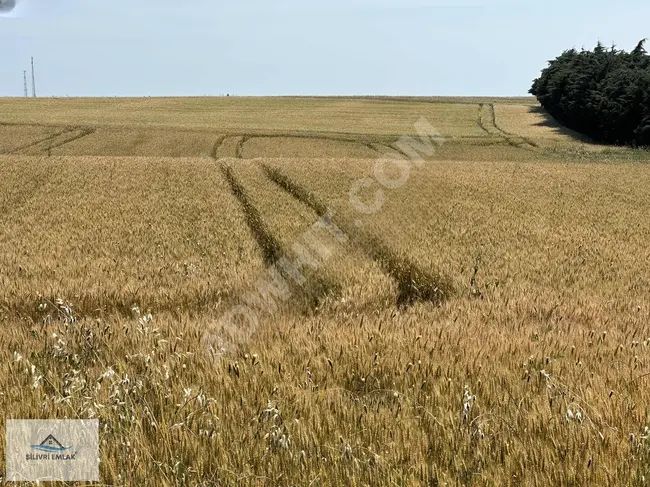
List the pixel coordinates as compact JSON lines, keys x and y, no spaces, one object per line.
{"x":33,"y":80}
{"x":25,"y":82}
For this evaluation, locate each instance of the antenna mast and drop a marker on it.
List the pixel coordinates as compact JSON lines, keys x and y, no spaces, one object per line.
{"x":25,"y":81}
{"x":33,"y":80}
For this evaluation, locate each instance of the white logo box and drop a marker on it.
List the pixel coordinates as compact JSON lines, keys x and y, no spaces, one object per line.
{"x":52,"y":450}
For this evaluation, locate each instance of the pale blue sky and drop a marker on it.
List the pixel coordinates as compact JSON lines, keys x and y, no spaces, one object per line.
{"x":301,"y":47}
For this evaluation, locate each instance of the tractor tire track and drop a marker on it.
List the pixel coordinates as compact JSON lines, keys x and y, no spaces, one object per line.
{"x":311,"y":293}
{"x":496,"y":125}
{"x":480,"y":122}
{"x":18,"y":150}
{"x":361,"y":140}
{"x":388,"y":150}
{"x":414,"y":284}
{"x":486,"y":122}
{"x":512,"y":139}
{"x":228,"y":147}
{"x":266,"y":241}
{"x":239,"y":149}
{"x":217,"y":144}
{"x":84,"y":133}
{"x":51,"y":142}
{"x":367,"y":142}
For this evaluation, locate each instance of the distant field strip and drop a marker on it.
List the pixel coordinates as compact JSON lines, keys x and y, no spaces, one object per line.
{"x":250,"y":128}
{"x":164,"y":142}
{"x":246,"y":115}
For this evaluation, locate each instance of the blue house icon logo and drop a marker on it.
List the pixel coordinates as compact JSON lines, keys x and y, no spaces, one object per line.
{"x":50,"y":445}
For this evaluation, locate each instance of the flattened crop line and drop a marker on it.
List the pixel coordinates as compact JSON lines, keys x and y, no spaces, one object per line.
{"x":41,"y":141}
{"x":217,"y":144}
{"x":295,"y":190}
{"x":361,"y":140}
{"x":229,"y":142}
{"x":84,"y":132}
{"x":311,"y":135}
{"x":317,"y":287}
{"x":480,"y":122}
{"x":529,"y":141}
{"x":512,"y":139}
{"x":496,"y":125}
{"x":239,"y":151}
{"x":387,"y":149}
{"x":414,"y":284}
{"x":269,"y":245}
{"x":25,"y":124}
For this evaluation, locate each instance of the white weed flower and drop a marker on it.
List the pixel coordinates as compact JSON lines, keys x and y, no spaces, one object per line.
{"x":346,"y":451}
{"x":109,"y":374}
{"x":468,"y":400}
{"x":574,"y":415}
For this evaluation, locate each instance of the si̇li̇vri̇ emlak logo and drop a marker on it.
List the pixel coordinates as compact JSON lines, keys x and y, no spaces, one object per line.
{"x":52,"y":450}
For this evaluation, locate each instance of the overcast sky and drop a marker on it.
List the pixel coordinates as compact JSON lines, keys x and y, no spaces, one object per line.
{"x":301,"y":47}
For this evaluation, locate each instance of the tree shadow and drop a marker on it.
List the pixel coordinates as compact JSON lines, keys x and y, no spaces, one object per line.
{"x":549,"y":122}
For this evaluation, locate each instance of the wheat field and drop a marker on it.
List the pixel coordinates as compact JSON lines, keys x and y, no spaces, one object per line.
{"x":489,"y":325}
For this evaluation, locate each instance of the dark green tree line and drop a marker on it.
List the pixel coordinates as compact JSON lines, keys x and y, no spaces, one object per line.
{"x":604,"y":93}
